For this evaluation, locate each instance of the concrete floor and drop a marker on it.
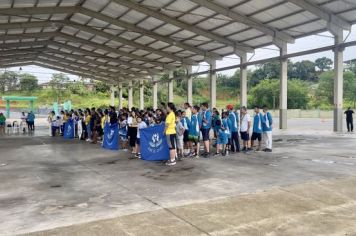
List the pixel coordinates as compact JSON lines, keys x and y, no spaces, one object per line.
{"x":305,"y":187}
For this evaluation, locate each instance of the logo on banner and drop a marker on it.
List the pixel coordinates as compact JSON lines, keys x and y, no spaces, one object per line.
{"x":110,"y":135}
{"x":69,"y":129}
{"x":156,"y":144}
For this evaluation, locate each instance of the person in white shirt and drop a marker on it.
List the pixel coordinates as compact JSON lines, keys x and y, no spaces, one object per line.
{"x":188,"y":110}
{"x":141,"y":125}
{"x":245,"y":124}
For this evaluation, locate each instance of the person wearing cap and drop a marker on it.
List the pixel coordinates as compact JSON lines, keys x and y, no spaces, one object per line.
{"x":234,"y":129}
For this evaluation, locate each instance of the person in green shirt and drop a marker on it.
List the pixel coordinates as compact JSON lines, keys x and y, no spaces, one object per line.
{"x":2,"y":123}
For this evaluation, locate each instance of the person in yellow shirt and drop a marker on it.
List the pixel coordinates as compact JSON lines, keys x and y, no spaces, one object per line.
{"x":170,"y":132}
{"x":64,"y":118}
{"x":87,"y":124}
{"x":105,"y":118}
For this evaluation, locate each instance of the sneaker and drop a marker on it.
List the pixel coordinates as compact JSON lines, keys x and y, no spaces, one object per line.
{"x":268,"y":150}
{"x":244,"y":149}
{"x":216,"y":154}
{"x":170,"y":163}
{"x":206,"y":154}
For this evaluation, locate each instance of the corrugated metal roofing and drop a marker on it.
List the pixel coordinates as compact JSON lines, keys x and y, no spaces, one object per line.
{"x":122,"y":39}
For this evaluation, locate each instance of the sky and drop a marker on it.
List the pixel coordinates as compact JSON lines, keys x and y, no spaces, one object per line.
{"x":315,"y":41}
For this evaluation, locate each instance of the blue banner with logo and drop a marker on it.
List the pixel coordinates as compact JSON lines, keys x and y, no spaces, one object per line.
{"x":153,"y":144}
{"x":69,"y":129}
{"x":111,"y":136}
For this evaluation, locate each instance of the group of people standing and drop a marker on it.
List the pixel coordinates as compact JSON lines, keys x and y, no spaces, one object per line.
{"x":185,"y":129}
{"x":29,"y":120}
{"x":199,"y":123}
{"x":88,"y":123}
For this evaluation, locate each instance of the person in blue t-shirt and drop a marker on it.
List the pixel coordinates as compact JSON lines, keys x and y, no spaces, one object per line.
{"x":267,"y":124}
{"x":223,"y":135}
{"x":194,"y":132}
{"x":234,"y":129}
{"x":257,"y":128}
{"x":31,"y":121}
{"x":214,"y":124}
{"x":205,"y":128}
{"x":186,"y":124}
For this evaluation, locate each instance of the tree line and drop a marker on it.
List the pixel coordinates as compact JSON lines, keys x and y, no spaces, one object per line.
{"x":310,"y":85}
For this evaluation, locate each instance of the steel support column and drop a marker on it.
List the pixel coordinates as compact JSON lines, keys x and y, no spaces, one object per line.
{"x":338,"y":82}
{"x":170,"y":87}
{"x":243,"y":80}
{"x":112,"y":95}
{"x":212,"y":80}
{"x":7,"y":109}
{"x":130,"y":96}
{"x":142,"y":95}
{"x":189,"y":85}
{"x":155,"y":92}
{"x":283,"y":95}
{"x":120,"y":96}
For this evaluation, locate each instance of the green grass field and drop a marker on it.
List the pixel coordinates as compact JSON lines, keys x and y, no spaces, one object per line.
{"x":46,"y":98}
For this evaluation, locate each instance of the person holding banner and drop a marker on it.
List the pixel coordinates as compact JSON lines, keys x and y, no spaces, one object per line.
{"x":140,"y":125}
{"x":69,"y":128}
{"x":170,"y":132}
{"x":122,"y":131}
{"x":111,"y":136}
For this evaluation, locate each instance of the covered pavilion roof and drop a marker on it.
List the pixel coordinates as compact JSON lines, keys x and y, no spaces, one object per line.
{"x":119,"y":40}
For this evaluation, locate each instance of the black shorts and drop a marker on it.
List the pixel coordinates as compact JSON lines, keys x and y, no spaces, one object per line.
{"x":205,"y":134}
{"x":256,"y":136}
{"x":132,"y":134}
{"x":171,"y":141}
{"x":244,"y":136}
{"x":186,"y":136}
{"x":99,"y":130}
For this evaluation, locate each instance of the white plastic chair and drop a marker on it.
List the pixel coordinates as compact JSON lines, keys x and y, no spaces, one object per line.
{"x":23,"y":126}
{"x":15,"y":127}
{"x":8,"y":128}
